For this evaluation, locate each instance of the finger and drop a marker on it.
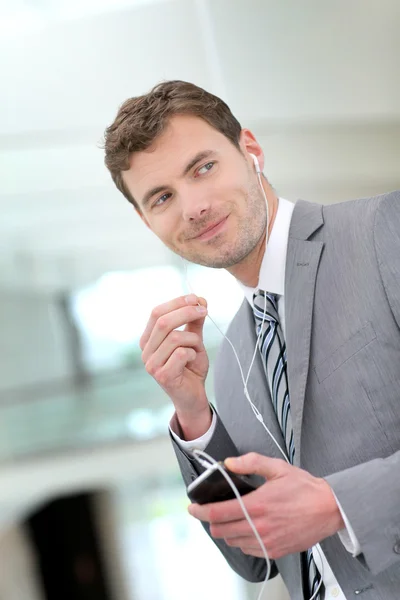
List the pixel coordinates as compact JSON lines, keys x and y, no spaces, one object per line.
{"x":244,"y":543}
{"x":257,"y":464}
{"x":167,"y":323}
{"x":175,"y":365}
{"x":163,"y":309}
{"x":235,"y":529}
{"x":218,"y":512}
{"x":258,"y":553}
{"x":173,"y":341}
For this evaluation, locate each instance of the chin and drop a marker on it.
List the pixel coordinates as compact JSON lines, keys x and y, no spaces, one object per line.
{"x":219,"y":260}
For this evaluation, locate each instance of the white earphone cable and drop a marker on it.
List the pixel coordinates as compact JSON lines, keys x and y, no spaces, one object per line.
{"x":212,"y":461}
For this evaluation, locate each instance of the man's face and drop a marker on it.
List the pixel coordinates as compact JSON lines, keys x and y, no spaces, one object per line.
{"x":199,"y":194}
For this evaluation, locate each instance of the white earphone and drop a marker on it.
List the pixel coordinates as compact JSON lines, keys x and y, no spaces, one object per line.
{"x":256,"y":163}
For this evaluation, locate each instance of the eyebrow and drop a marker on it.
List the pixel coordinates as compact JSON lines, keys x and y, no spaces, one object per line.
{"x":160,"y":188}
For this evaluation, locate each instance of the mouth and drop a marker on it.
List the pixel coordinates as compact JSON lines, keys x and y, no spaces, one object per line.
{"x":212,"y":230}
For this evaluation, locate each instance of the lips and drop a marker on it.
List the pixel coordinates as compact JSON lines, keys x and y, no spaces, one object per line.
{"x":210,"y":228}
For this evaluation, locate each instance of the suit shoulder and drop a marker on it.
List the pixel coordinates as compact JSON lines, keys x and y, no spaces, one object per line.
{"x":389,"y":203}
{"x":387,"y":223}
{"x":363,"y":211}
{"x":387,"y":248}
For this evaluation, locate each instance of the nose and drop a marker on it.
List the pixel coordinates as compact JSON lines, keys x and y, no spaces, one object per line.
{"x":195,"y":206}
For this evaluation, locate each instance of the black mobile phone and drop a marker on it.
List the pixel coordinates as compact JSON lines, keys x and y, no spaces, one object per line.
{"x":211,"y":486}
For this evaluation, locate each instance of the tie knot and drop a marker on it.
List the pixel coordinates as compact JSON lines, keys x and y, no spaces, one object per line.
{"x":264,"y":302}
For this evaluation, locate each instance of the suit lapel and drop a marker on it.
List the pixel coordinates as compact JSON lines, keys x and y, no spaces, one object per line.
{"x":302,"y":261}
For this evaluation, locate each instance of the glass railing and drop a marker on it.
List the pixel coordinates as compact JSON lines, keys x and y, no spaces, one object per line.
{"x":116,"y":406}
{"x":112,"y":399}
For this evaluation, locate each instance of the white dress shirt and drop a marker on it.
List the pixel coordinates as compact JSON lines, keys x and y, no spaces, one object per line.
{"x":272,"y":279}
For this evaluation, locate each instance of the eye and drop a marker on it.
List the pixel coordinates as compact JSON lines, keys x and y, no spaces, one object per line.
{"x":207,"y":167}
{"x":161,"y":200}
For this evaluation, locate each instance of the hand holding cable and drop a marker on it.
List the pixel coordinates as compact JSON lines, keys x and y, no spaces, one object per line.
{"x":178,"y":360}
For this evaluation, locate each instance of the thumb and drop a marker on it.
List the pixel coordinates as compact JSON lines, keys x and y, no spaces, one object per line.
{"x":256,"y":464}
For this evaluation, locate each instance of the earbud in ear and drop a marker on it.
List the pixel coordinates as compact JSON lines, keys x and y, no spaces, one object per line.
{"x":255,"y":161}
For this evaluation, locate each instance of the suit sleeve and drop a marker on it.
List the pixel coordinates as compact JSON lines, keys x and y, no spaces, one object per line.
{"x":370,"y":493}
{"x":220,"y":447}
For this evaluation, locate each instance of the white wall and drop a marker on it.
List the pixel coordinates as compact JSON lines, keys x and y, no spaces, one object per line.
{"x":32,"y":347}
{"x":72,"y":76}
{"x":310,"y":60}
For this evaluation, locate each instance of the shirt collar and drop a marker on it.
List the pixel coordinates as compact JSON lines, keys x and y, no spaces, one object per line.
{"x":273,"y":266}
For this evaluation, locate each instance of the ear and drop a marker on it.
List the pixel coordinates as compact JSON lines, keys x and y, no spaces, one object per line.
{"x":249,"y":145}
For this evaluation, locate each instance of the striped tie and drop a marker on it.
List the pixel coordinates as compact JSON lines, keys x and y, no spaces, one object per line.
{"x":273,"y":352}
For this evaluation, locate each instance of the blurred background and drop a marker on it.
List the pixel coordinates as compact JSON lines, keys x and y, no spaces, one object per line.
{"x":91,"y":501}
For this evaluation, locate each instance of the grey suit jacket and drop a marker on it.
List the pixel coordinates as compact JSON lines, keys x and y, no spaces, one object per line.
{"x":342,"y":306}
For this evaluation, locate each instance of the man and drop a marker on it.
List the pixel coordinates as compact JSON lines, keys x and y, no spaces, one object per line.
{"x":328,"y":278}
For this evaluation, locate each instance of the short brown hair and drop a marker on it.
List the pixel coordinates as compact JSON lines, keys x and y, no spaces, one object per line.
{"x":142,"y":119}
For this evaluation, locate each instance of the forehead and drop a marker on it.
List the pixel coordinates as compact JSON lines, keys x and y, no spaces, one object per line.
{"x":185,"y":132}
{"x":182,"y":139}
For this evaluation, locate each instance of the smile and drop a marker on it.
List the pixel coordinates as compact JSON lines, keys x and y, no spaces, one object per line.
{"x":213,"y":231}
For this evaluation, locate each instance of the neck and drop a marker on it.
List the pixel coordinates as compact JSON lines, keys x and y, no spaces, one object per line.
{"x":248,"y":270}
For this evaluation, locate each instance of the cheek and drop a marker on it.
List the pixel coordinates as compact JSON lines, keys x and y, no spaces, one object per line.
{"x":167,"y":230}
